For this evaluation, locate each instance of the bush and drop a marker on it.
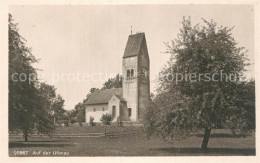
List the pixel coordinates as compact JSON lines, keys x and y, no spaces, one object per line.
{"x":119,"y":121}
{"x":91,"y":121}
{"x":73,"y":121}
{"x":66,"y":123}
{"x":106,"y":119}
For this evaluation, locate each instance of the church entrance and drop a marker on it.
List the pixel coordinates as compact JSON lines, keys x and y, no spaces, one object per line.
{"x":114,"y":111}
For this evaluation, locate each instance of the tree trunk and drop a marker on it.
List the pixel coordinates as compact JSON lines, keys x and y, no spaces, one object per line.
{"x":25,"y":136}
{"x":204,"y":145}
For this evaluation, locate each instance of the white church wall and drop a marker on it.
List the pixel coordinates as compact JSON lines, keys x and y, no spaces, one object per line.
{"x":114,"y":101}
{"x":96,"y":111}
{"x":130,"y":86}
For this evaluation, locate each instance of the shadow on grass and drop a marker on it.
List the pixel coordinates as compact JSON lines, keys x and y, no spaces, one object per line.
{"x":223,"y":135}
{"x":42,"y":141}
{"x":20,"y":144}
{"x":210,"y":151}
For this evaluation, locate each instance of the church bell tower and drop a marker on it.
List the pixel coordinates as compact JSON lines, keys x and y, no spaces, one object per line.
{"x":136,"y":76}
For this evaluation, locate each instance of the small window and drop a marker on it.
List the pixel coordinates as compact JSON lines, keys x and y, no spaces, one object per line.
{"x":127,"y":73}
{"x":94,"y":109}
{"x":103,"y":109}
{"x":132,"y":73}
{"x":129,"y":112}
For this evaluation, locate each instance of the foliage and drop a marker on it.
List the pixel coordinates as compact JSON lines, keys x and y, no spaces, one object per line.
{"x":119,"y":121}
{"x":91,"y":121}
{"x":92,"y":90}
{"x":244,"y":106}
{"x":55,"y":102}
{"x":71,"y":116}
{"x":31,"y":104}
{"x":107,"y":118}
{"x":185,"y":106}
{"x":115,"y":82}
{"x":77,"y":114}
{"x":80,"y":112}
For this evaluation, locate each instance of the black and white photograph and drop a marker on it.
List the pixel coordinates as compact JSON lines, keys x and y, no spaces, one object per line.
{"x":130,"y":80}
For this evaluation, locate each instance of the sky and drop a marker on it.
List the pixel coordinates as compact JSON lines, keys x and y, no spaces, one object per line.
{"x":73,"y":42}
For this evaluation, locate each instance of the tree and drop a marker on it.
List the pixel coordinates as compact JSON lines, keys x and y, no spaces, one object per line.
{"x":190,"y":97}
{"x":245,"y":99}
{"x":29,"y":104}
{"x":115,"y":82}
{"x":106,"y":119}
{"x":92,"y":90}
{"x":58,"y":108}
{"x":77,"y":114}
{"x":71,"y":115}
{"x":80,"y":112}
{"x":55,"y":102}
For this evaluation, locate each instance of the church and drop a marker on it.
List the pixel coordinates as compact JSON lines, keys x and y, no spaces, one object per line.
{"x":129,"y":102}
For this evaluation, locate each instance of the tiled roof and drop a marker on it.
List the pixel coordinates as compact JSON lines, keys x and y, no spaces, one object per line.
{"x":120,"y":98}
{"x":133,"y":45}
{"x":103,"y":96}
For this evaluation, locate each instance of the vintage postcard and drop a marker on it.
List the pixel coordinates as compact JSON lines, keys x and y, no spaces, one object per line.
{"x":122,"y":80}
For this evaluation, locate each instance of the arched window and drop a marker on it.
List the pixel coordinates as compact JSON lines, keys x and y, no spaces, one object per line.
{"x":132,"y":73}
{"x":129,"y":112}
{"x":128,"y":73}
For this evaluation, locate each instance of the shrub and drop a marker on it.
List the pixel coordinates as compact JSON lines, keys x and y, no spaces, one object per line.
{"x":66,"y":123}
{"x":119,"y":121}
{"x":91,"y":121}
{"x":73,"y":121}
{"x":106,"y":119}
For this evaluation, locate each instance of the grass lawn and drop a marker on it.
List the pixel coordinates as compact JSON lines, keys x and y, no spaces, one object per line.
{"x":95,"y":129}
{"x":221,"y":143}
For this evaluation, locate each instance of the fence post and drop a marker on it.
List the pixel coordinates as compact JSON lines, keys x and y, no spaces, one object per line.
{"x":106,"y":131}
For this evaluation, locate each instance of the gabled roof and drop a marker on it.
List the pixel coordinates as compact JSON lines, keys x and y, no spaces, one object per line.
{"x":133,"y":45}
{"x":120,"y":98}
{"x":103,"y":96}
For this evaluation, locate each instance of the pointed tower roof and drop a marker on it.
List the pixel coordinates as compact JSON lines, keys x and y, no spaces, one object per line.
{"x":133,"y":45}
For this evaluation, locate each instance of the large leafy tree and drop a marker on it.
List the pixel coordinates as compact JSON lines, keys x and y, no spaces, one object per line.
{"x":29,"y":101}
{"x":71,"y":115}
{"x":77,"y":114}
{"x":55,"y":103}
{"x":201,"y":100}
{"x":20,"y":60}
